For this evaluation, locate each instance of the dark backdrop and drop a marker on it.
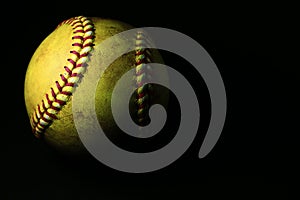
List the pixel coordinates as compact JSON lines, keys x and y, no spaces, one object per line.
{"x":252,"y":157}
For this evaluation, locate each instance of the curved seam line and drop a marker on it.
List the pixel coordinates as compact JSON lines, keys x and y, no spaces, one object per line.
{"x":46,"y":112}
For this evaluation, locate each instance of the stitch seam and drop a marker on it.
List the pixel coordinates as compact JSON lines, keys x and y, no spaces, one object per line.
{"x":59,"y":94}
{"x":142,"y":73}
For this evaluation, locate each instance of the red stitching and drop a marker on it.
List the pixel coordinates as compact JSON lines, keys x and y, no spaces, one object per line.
{"x":38,"y":126}
{"x":86,"y":45}
{"x":59,"y":87}
{"x":52,"y":92}
{"x":42,"y":125}
{"x":141,"y":95}
{"x":89,"y":29}
{"x":142,"y":101}
{"x":51,"y":115}
{"x":77,"y":44}
{"x":88,"y":37}
{"x":66,"y":93}
{"x":39,"y":109}
{"x":54,"y":108}
{"x":68,"y":70}
{"x":46,"y":120}
{"x":78,"y":31}
{"x":48,"y":100}
{"x":83,"y":55}
{"x":138,"y":52}
{"x":70,"y":84}
{"x":74,"y":75}
{"x":60,"y":102}
{"x":77,"y":37}
{"x":79,"y":65}
{"x":71,"y":61}
{"x":43,"y":105}
{"x":63,"y":78}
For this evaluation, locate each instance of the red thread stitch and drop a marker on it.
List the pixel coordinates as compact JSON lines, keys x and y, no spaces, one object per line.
{"x":44,"y":114}
{"x":141,"y":73}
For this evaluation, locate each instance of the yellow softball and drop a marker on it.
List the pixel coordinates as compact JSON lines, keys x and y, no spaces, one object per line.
{"x":57,"y":68}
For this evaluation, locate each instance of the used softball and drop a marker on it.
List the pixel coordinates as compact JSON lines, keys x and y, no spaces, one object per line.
{"x":57,"y":68}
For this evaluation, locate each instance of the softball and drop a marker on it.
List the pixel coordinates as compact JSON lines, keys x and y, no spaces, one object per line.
{"x":58,"y":66}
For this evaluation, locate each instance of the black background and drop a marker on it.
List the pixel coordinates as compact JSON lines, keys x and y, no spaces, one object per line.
{"x":253,"y":157}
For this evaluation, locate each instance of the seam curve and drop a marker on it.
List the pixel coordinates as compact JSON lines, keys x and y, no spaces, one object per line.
{"x":83,"y":41}
{"x":142,"y":73}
